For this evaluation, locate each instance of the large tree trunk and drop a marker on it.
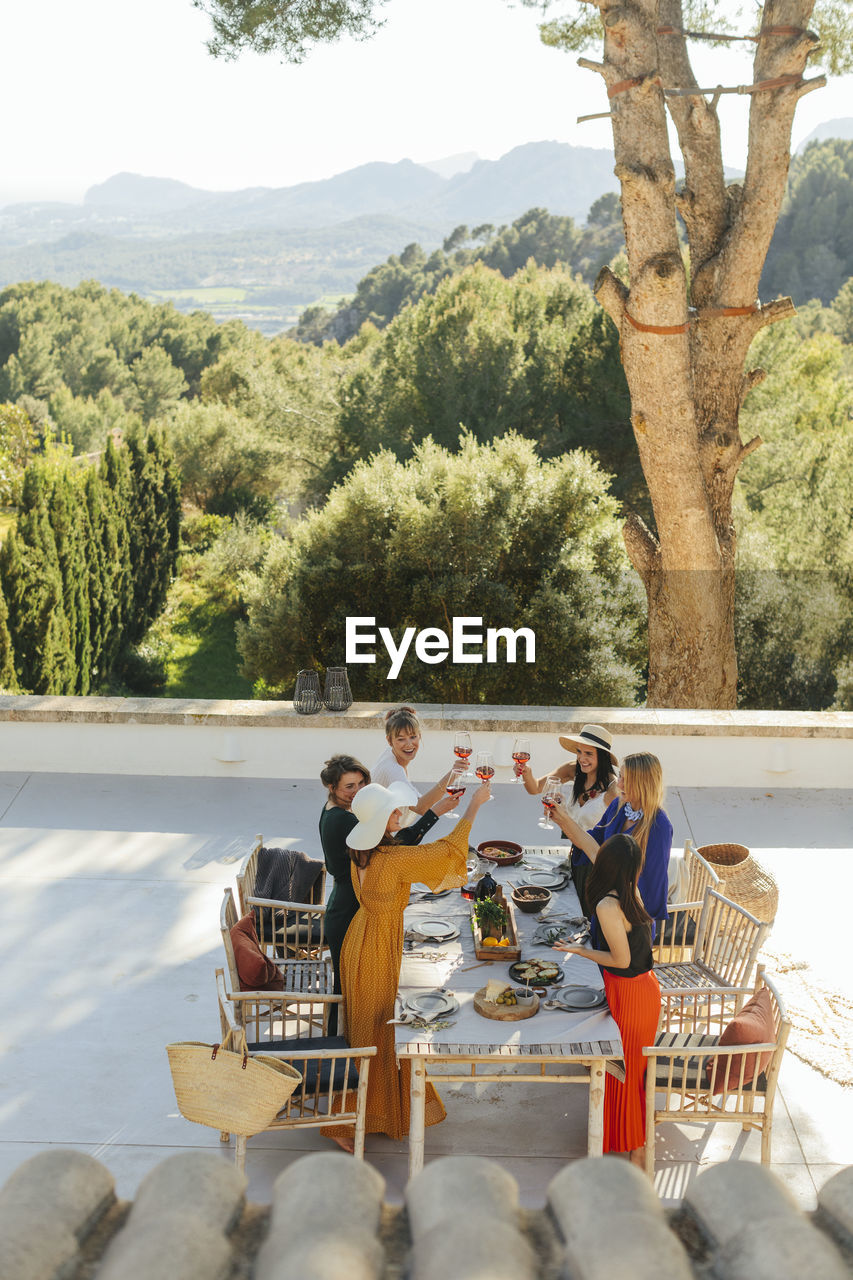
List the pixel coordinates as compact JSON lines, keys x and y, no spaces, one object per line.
{"x":684,"y":358}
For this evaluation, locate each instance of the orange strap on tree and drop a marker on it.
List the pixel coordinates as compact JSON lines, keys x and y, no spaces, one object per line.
{"x":664,"y":329}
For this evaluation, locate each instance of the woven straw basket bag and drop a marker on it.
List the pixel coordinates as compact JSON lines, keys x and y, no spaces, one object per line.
{"x":228,"y":1090}
{"x":746,"y":882}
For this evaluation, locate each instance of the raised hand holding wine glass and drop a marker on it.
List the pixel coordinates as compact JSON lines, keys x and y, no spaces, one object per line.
{"x":455,"y":788}
{"x":552,"y":794}
{"x":462,"y":750}
{"x":484,"y":767}
{"x":521,"y":755}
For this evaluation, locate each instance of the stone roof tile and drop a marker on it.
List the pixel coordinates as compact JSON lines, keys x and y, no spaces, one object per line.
{"x":189,"y":1221}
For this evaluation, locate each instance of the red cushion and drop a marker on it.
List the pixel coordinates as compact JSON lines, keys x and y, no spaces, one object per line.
{"x":255,"y":971}
{"x":753,"y":1025}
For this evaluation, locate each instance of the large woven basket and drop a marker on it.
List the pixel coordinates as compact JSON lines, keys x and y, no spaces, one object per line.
{"x":229,"y":1091}
{"x":746,"y":882}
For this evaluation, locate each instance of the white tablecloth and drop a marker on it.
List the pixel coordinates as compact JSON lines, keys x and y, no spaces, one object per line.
{"x":453,"y":968}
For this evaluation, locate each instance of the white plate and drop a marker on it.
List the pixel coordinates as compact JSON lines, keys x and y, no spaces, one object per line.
{"x":579,"y":997}
{"x":438,"y":930}
{"x":544,"y":879}
{"x":431,"y":1004}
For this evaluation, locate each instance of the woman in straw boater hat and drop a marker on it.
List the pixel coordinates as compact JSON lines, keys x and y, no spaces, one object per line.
{"x":383,"y":871}
{"x":592,"y":774}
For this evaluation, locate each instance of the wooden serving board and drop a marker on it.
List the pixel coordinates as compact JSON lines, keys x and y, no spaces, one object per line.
{"x":504,"y":1012}
{"x":512,"y":951}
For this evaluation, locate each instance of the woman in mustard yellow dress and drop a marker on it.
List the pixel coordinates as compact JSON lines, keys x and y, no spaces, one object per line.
{"x":382,"y":876}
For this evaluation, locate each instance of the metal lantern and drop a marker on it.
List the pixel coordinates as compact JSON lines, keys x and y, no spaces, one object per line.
{"x":337,"y":694}
{"x":306,"y":695}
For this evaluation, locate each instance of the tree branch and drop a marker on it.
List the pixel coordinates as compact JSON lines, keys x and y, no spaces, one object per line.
{"x":642,"y":546}
{"x":752,"y":379}
{"x":771,"y":115}
{"x":772,"y":313}
{"x":703,"y":203}
{"x":611,"y":294}
{"x":755,"y":443}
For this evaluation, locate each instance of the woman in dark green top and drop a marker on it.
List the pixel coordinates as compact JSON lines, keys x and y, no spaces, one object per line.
{"x":343,"y":776}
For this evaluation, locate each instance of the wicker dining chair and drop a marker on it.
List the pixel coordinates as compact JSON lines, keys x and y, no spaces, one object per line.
{"x":692,"y":1078}
{"x":301,"y":977}
{"x":333,"y":1090}
{"x":725,"y":950}
{"x":678,"y":936}
{"x":288,"y":929}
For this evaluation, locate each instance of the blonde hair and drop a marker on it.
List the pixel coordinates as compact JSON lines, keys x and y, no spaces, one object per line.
{"x":642,"y":779}
{"x":401,"y":719}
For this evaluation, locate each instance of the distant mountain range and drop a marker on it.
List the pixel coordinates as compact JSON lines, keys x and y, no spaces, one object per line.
{"x":267,"y":253}
{"x":565,"y":179}
{"x":281,"y":249}
{"x":841,"y":128}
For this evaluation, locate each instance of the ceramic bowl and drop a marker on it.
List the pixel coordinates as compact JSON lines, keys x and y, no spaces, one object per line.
{"x":530,"y":898}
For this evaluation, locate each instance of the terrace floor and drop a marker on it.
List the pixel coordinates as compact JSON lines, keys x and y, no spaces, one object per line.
{"x":111,"y":887}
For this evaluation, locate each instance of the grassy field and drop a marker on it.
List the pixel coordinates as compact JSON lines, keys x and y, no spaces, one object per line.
{"x":196,"y":637}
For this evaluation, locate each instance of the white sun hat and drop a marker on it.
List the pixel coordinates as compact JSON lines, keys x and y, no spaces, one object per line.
{"x":373,"y":806}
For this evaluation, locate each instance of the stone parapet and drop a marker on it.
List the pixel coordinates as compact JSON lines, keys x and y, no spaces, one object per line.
{"x":248,"y":714}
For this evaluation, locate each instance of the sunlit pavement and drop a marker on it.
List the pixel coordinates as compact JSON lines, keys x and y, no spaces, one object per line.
{"x":111,"y":889}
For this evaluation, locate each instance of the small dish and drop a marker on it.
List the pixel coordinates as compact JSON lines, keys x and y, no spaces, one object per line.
{"x":503,"y":853}
{"x":530,"y":898}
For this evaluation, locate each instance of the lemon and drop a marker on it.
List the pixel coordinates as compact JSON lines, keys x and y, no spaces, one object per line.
{"x":504,"y":942}
{"x":490,"y":942}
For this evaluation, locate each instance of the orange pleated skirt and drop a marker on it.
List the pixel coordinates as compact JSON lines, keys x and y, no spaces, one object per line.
{"x":635,"y":1005}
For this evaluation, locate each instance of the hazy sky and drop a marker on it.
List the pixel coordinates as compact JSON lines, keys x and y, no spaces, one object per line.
{"x":101,"y":86}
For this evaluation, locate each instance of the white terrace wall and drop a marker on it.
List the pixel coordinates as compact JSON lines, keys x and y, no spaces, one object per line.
{"x":200,"y":738}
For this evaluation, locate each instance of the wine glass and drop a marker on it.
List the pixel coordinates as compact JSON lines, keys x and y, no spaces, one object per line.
{"x":520,"y":754}
{"x":455,"y":786}
{"x":551,"y":794}
{"x":462,"y":751}
{"x":484,"y":767}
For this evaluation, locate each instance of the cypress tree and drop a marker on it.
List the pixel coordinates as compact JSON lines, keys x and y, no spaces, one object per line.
{"x":100,"y":558}
{"x":8,"y":674}
{"x":43,"y":635}
{"x":118,"y":493}
{"x":67,"y":515}
{"x":14,"y":594}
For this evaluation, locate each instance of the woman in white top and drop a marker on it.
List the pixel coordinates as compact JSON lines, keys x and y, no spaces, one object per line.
{"x":403,"y":731}
{"x":592,"y":775}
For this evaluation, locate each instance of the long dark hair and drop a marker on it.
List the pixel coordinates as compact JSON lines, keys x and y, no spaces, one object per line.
{"x":617,"y":867}
{"x":604,"y":774}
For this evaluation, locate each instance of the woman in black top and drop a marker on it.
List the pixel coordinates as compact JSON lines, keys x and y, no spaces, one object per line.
{"x":622,"y":946}
{"x":344,"y":776}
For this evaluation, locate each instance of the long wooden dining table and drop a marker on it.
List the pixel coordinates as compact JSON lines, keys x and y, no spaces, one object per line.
{"x":554,"y":1046}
